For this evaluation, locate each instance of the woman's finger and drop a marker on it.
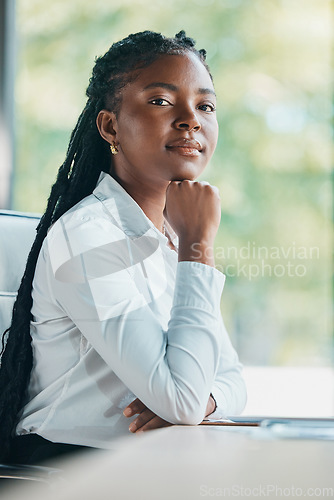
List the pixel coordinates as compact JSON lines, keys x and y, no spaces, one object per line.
{"x":155,"y":423}
{"x":136,"y":406}
{"x":144,"y":417}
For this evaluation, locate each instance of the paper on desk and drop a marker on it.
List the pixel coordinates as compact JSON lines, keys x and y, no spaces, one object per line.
{"x":294,"y":431}
{"x":221,"y":420}
{"x":230,"y":422}
{"x":303,"y":428}
{"x":282,"y":427}
{"x":278,"y":420}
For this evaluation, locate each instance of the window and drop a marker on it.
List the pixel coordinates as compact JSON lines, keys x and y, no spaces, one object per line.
{"x":271,"y":67}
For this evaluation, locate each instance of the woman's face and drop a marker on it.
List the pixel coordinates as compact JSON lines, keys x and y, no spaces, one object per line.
{"x":166,"y":128}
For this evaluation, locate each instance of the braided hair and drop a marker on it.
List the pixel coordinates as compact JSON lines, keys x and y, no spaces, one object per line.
{"x":87,"y":155}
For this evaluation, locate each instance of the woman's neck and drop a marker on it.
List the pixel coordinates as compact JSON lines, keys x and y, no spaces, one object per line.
{"x":151,"y":201}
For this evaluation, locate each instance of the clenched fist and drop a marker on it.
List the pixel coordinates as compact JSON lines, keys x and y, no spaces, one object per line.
{"x":193,"y":210}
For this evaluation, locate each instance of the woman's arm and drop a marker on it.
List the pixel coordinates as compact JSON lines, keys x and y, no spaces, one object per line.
{"x":147,"y":420}
{"x":229,"y":392}
{"x":171,"y":371}
{"x":99,"y":277}
{"x":228,"y":389}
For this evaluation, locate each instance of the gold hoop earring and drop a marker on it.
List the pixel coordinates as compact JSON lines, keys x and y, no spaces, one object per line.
{"x":113,"y":148}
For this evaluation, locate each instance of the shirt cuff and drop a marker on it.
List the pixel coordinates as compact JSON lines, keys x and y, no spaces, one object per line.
{"x":217,"y":413}
{"x":198,"y":285}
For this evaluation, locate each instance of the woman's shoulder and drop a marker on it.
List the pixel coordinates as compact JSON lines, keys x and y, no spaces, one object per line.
{"x":84,"y":234}
{"x":85,"y":226}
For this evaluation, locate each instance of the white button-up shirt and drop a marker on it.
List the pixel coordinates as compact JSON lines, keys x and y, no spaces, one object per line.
{"x":115,"y":317}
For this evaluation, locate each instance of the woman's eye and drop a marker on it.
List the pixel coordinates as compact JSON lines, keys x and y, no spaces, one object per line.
{"x":159,"y":102}
{"x":207,"y":107}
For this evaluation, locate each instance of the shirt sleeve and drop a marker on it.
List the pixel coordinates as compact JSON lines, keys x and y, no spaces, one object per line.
{"x":172,"y":371}
{"x":228,"y":389}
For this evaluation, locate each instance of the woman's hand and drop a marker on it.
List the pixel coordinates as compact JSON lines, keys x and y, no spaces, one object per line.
{"x":193,"y":210}
{"x":148,"y":420}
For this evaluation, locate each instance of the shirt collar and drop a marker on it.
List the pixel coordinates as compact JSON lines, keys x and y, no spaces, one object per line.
{"x":123,"y":208}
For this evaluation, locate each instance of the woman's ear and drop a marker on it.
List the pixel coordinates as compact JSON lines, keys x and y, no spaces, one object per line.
{"x":106,"y":124}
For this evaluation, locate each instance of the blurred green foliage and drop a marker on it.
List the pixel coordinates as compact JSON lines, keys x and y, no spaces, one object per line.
{"x":271,"y":66}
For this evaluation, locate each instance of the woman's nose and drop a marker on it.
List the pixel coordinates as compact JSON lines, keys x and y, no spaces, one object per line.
{"x":187,"y":120}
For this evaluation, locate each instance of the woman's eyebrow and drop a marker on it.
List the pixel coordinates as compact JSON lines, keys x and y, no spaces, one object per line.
{"x":207,"y":91}
{"x":174,"y":88}
{"x":163,"y":85}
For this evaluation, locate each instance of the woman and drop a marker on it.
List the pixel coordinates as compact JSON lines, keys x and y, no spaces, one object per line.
{"x":118,"y":312}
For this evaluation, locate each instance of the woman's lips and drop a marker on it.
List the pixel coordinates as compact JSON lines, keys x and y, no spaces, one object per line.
{"x":184,"y":151}
{"x":185,"y":147}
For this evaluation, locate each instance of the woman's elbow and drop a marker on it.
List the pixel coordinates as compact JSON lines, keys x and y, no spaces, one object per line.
{"x":188,"y":413}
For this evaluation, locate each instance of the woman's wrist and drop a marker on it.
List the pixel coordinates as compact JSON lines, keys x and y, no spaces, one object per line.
{"x":211,"y":406}
{"x":200,"y":251}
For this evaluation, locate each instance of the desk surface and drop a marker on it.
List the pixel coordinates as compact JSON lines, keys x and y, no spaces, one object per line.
{"x":182,"y":462}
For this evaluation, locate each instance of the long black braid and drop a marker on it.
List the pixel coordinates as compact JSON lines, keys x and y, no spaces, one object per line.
{"x":88,"y":154}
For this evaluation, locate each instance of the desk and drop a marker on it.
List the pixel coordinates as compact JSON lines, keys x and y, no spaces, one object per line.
{"x":189,"y":463}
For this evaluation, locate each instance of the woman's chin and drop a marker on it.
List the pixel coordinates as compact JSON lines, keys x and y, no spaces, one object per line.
{"x":187,"y":172}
